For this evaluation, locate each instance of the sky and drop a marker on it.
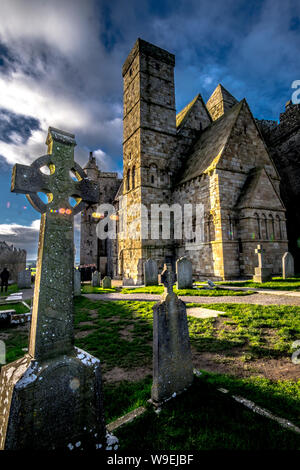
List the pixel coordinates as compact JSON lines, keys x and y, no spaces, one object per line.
{"x":61,"y":61}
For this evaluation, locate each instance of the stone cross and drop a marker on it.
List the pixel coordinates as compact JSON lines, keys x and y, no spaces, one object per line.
{"x":52,"y":314}
{"x":260,"y":252}
{"x":168,"y":278}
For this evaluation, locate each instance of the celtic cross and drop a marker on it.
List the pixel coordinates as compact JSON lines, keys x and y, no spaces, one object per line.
{"x":52,"y":314}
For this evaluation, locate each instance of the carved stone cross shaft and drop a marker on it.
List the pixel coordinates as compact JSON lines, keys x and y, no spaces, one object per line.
{"x":260,"y":252}
{"x":52,"y":315}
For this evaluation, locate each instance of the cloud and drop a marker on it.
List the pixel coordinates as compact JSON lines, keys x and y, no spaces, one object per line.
{"x":22,"y":236}
{"x":26,"y":236}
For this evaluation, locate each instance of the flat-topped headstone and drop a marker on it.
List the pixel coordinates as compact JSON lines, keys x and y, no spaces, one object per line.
{"x":288,"y":268}
{"x":106,"y":282}
{"x":96,"y":279}
{"x":184,"y":271}
{"x":77,"y":283}
{"x":261,"y":273}
{"x":150,"y":273}
{"x":172,"y":358}
{"x":24,"y":279}
{"x":51,"y":398}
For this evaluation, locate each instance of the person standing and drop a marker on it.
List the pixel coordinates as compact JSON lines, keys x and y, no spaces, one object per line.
{"x":4,"y":279}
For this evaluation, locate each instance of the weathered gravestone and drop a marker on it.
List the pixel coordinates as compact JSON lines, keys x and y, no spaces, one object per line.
{"x":172,"y":358}
{"x":51,"y":398}
{"x":262,"y":274}
{"x":24,"y":279}
{"x":288,"y":269}
{"x":96,"y":279}
{"x":184,"y":273}
{"x":77,"y":283}
{"x":150,"y":273}
{"x":106,"y":283}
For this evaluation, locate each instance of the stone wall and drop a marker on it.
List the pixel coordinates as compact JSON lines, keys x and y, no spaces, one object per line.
{"x":13,"y":259}
{"x":284,"y":145}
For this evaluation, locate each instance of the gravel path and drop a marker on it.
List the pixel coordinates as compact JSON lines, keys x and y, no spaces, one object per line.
{"x":260,"y":299}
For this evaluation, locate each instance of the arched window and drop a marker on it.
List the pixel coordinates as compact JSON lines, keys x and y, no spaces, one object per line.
{"x":257,"y":226}
{"x":211,"y":228}
{"x":230,"y":228}
{"x":153,"y":174}
{"x":133,"y":177}
{"x":128,"y":180}
{"x":278,"y":231}
{"x":264,"y":231}
{"x":271,"y":227}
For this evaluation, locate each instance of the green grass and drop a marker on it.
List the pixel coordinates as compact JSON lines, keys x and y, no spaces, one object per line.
{"x":204,"y":419}
{"x":12,"y":288}
{"x":263,"y":331}
{"x":105,"y":340}
{"x":182,"y":292}
{"x":292,"y":283}
{"x":87,"y":289}
{"x":125,"y":396}
{"x":18,"y":307}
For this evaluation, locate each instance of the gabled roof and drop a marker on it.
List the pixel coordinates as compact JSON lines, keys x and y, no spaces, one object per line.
{"x":183,"y":116}
{"x":220,"y":102}
{"x":209,"y":147}
{"x":257,"y":189}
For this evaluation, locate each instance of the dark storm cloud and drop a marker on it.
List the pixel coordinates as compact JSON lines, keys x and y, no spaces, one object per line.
{"x":60,"y":64}
{"x":12,"y":125}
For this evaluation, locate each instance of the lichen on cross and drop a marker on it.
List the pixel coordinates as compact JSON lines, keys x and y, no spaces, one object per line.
{"x":52,"y":315}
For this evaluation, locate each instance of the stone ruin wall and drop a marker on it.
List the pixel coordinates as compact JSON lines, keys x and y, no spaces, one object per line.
{"x":13,"y":259}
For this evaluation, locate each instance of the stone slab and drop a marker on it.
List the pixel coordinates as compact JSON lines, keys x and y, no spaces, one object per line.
{"x":200,"y":312}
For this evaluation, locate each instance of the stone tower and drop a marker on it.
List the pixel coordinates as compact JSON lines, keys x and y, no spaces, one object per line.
{"x":88,"y":238}
{"x":149,"y":136}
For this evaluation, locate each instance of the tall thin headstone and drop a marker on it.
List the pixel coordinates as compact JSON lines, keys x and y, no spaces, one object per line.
{"x":184,"y":273}
{"x":51,"y":398}
{"x":96,"y":279}
{"x":24,"y":279}
{"x":172,"y":358}
{"x":262,"y":273}
{"x":288,"y":268}
{"x":150,"y":272}
{"x":77,"y":282}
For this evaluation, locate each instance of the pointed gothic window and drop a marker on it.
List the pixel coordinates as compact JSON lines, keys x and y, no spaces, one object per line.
{"x":278,"y":232}
{"x":271,"y":227}
{"x":133,"y":177}
{"x":257,"y":228}
{"x":128,"y":180}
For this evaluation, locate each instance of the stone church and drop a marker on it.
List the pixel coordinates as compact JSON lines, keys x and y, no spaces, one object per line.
{"x":215,"y":155}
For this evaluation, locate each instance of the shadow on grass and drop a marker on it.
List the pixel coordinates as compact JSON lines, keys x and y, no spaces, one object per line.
{"x":204,"y":419}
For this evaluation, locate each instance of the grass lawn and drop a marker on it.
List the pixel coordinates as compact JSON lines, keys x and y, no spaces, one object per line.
{"x":202,"y":293}
{"x":87,"y":289}
{"x":120,"y":334}
{"x":204,"y":419}
{"x":12,"y":288}
{"x":292,"y":283}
